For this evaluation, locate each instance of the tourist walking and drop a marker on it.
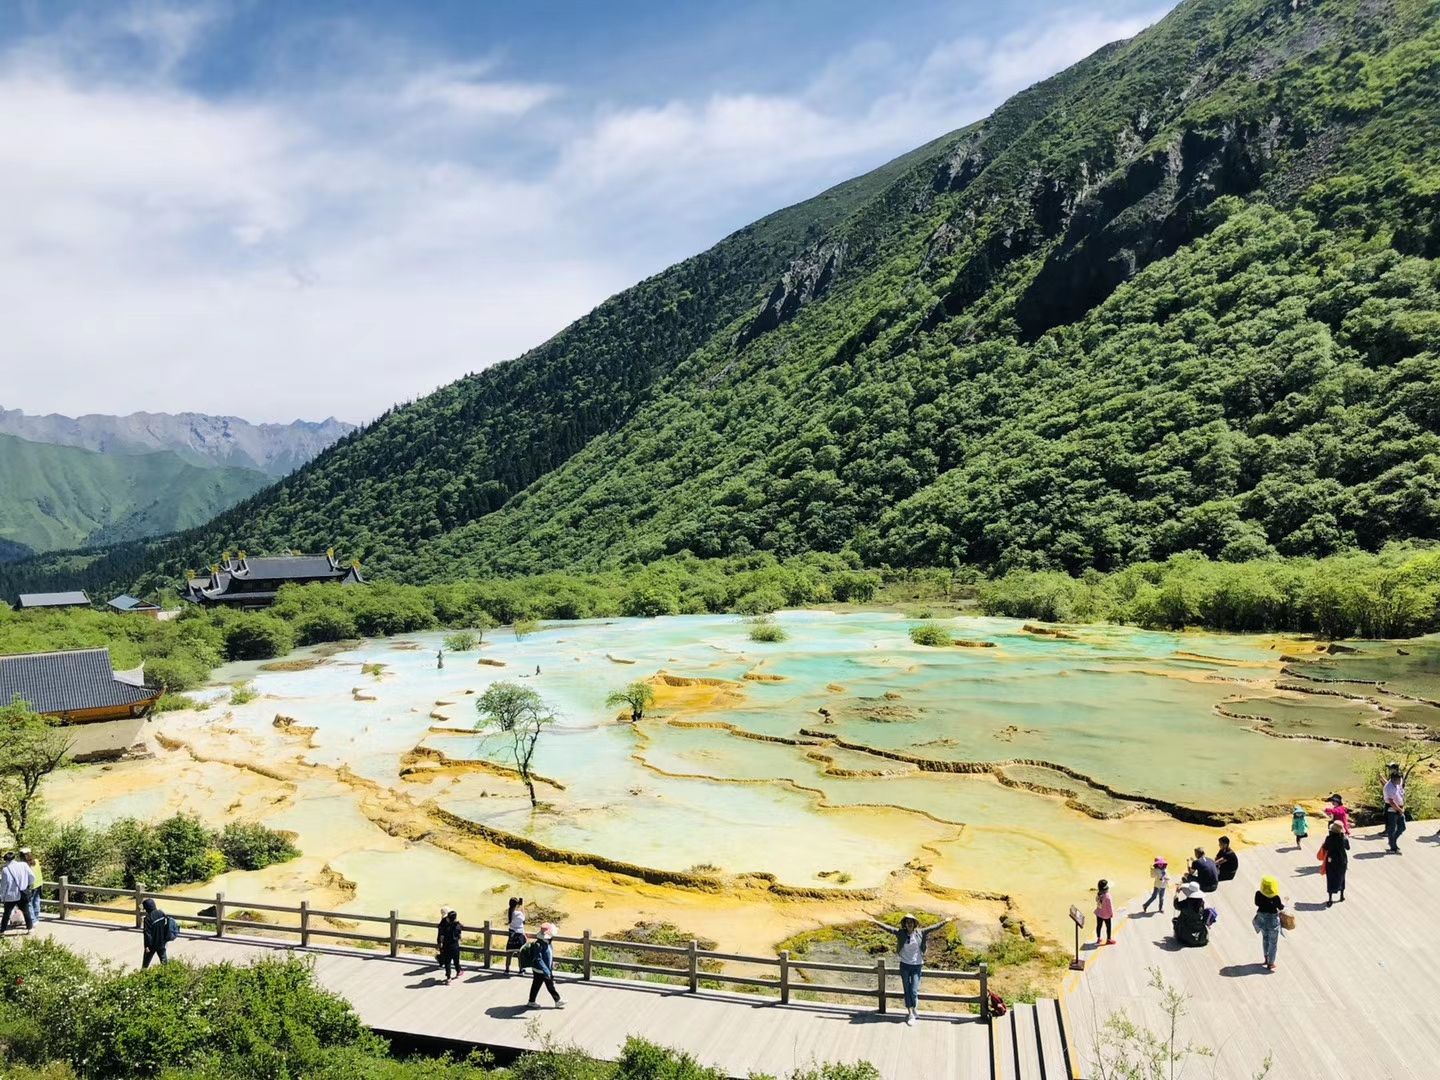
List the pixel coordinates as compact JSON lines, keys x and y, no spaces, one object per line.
{"x":1227,"y":863}
{"x":1394,"y":795}
{"x":1104,"y":914}
{"x":16,"y":883}
{"x":1334,"y":861}
{"x":447,"y":942}
{"x":542,"y":961}
{"x":1189,"y":924}
{"x":158,"y":930}
{"x":1203,"y":872}
{"x":31,"y":861}
{"x":1299,"y":825}
{"x":910,"y":940}
{"x":1268,"y":907}
{"x":515,"y":932}
{"x":1336,"y":810}
{"x":1159,"y":882}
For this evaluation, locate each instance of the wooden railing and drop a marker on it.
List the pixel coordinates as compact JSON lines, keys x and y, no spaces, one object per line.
{"x":216,"y":916}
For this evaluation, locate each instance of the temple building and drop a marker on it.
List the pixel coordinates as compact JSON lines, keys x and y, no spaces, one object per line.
{"x":253,"y":583}
{"x":79,"y":688}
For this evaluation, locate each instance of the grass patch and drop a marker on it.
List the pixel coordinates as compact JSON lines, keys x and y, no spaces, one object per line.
{"x":764,"y":628}
{"x":936,"y":637}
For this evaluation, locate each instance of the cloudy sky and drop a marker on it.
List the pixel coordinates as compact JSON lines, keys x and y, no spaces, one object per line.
{"x":280,"y":210}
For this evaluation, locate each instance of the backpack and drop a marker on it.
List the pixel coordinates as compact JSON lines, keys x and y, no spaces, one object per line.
{"x":172,"y":928}
{"x":529,"y":953}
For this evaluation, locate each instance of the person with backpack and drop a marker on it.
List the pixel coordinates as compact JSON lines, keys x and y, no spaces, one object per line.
{"x":158,"y":930}
{"x":910,"y":940}
{"x":1190,"y":926}
{"x":515,"y":932}
{"x":540,"y":958}
{"x":447,"y":941}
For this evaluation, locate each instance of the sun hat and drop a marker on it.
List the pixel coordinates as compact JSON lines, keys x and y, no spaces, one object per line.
{"x":1190,"y":890}
{"x":1269,"y":887}
{"x":1336,"y":799}
{"x":907,"y":917}
{"x":547,"y":930}
{"x":1160,"y":861}
{"x":1298,"y":809}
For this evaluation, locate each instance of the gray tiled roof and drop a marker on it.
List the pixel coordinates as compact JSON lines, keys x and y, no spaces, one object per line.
{"x":59,"y":682}
{"x":289,"y":566}
{"x":52,"y":599}
{"x":126,"y":602}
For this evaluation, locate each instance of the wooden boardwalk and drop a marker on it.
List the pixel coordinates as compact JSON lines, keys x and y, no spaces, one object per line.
{"x":1354,"y":990}
{"x":739,"y":1034}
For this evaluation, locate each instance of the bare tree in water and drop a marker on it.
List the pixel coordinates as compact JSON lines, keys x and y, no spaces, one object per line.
{"x":515,"y":715}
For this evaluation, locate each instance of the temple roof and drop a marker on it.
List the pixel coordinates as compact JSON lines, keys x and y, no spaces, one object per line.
{"x":62,"y":682}
{"x":126,"y":602}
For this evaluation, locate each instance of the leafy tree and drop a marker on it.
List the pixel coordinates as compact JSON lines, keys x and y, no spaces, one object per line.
{"x":516,"y":716}
{"x":638,"y":696}
{"x":462,"y":640}
{"x":523,"y":628}
{"x":31,"y":748}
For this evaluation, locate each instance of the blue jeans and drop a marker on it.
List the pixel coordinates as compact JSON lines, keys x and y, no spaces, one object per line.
{"x":1269,"y":924}
{"x":35,"y":903}
{"x":1394,"y":826}
{"x":910,"y":983}
{"x":1157,"y":893}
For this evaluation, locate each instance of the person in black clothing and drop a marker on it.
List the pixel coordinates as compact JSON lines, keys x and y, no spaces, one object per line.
{"x":447,"y":941}
{"x":1226,"y":861}
{"x":1189,"y":923}
{"x":1203,"y":872}
{"x":1335,"y":856}
{"x":544,"y":967}
{"x":155,"y":929}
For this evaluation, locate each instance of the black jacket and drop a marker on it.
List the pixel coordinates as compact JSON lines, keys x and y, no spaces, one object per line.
{"x":1226,"y":864}
{"x":156,"y":929}
{"x":447,"y":935}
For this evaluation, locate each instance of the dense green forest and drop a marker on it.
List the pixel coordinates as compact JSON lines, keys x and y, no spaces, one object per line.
{"x":1182,"y":297}
{"x":65,"y":497}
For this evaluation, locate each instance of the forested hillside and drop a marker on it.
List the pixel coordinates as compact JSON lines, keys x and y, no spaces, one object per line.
{"x":64,"y":497}
{"x":1182,"y":296}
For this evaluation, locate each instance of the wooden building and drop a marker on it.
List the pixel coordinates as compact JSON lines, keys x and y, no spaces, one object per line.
{"x":253,"y":583}
{"x":126,"y":604}
{"x":81,"y":689}
{"x":30,"y":601}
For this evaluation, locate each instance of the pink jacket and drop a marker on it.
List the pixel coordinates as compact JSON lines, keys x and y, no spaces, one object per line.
{"x":1104,"y":907}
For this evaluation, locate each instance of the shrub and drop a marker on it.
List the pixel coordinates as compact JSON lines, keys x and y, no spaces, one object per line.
{"x":462,"y":640}
{"x":242,"y":694}
{"x":764,"y":628}
{"x":931,"y":635}
{"x":176,"y":672}
{"x":174,"y":702}
{"x":326,"y":625}
{"x":760,"y":602}
{"x":250,"y":636}
{"x":642,"y":1060}
{"x":248,"y":845}
{"x":1421,"y":799}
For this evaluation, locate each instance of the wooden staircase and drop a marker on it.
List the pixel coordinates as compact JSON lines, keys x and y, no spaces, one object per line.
{"x":1029,"y":1043}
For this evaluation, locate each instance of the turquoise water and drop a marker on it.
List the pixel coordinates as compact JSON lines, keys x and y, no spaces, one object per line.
{"x":1131,"y":709}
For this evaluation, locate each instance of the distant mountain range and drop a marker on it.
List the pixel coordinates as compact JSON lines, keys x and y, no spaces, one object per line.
{"x":273,"y":449}
{"x":73,"y":482}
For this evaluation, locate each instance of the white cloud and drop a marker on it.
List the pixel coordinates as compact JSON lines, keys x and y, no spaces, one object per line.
{"x":340,"y":244}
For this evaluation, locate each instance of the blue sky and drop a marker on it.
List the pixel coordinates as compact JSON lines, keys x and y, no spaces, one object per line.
{"x":311,"y":208}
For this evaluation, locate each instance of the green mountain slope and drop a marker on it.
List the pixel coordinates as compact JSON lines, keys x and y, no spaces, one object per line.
{"x":1183,"y":295}
{"x":56,"y":497}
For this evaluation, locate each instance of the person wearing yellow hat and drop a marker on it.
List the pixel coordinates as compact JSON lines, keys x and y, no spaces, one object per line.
{"x":1268,"y":907}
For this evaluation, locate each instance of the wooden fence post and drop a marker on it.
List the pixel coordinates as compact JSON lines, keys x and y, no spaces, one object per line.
{"x":139,"y":910}
{"x":219,"y":914}
{"x":985,"y":993}
{"x":394,"y":932}
{"x":585,"y":956}
{"x":694,"y":967}
{"x":485,"y":954}
{"x":304,"y":924}
{"x":784,"y":976}
{"x":64,"y":896}
{"x":880,"y":982}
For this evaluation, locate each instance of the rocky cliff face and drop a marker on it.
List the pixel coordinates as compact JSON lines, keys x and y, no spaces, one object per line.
{"x":274,"y":449}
